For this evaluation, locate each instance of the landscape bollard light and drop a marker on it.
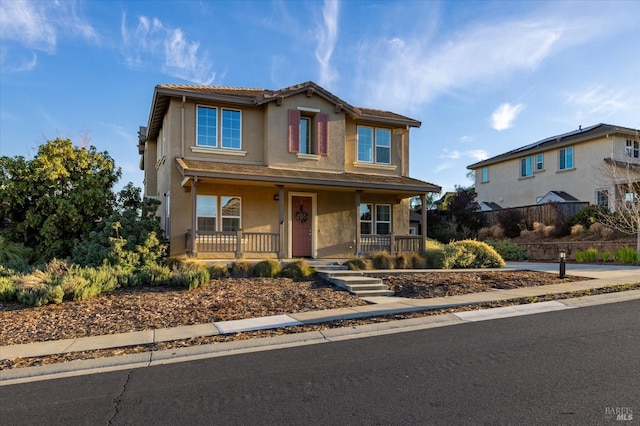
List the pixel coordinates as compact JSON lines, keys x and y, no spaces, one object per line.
{"x":563,"y":257}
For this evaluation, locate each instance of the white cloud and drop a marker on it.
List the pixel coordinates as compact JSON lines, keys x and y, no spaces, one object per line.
{"x":327,"y":35}
{"x":404,"y":73}
{"x":449,"y":157}
{"x":502,"y":118}
{"x":38,"y":25}
{"x":150,"y":41}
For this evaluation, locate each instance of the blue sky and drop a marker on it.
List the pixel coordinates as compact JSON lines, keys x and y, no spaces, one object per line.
{"x":483,"y":77}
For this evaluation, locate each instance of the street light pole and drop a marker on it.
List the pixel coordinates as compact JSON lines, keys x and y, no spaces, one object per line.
{"x":563,"y":257}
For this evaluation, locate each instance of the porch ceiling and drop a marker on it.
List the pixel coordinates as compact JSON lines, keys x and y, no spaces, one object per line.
{"x":402,"y":186}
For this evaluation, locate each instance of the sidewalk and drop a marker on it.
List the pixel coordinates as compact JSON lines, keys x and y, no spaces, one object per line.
{"x":602,"y":276}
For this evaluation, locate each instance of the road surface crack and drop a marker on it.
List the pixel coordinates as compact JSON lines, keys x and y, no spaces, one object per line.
{"x":118,"y":399}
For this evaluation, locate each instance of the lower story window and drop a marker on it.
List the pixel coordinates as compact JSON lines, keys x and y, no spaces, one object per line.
{"x":207,"y":217}
{"x":602,"y":198}
{"x":375,"y":219}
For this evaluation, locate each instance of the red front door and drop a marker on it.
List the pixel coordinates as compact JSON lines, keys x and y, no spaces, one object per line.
{"x":301,"y":226}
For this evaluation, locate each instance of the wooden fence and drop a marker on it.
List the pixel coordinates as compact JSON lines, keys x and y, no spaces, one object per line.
{"x":548,"y":213}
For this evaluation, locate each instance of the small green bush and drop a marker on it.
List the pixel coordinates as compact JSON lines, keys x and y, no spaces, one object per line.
{"x":382,"y":260}
{"x":606,"y":255}
{"x":626,"y":255}
{"x":358,"y":264}
{"x":7,"y":289}
{"x":510,"y":220}
{"x":152,"y":275}
{"x":218,"y":270}
{"x":38,"y":289}
{"x":588,"y":255}
{"x":471,"y":254}
{"x":241,"y":269}
{"x":11,"y":253}
{"x":589,"y":215}
{"x":434,"y":257}
{"x":509,"y":250}
{"x":191,"y":275}
{"x":297,"y":270}
{"x":266,"y":268}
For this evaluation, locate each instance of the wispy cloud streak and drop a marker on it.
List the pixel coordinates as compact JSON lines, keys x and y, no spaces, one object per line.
{"x":504,"y":116}
{"x":150,"y":41}
{"x":327,"y":35}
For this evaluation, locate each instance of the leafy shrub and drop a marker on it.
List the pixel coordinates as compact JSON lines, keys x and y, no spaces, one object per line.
{"x":152,"y":275}
{"x":7,"y":289}
{"x":266,"y":268}
{"x":588,"y":255}
{"x":358,"y":264}
{"x":382,"y":260}
{"x":77,"y":287}
{"x":471,"y":254}
{"x":191,"y":274}
{"x":509,"y":250}
{"x":11,"y":252}
{"x":218,"y":270}
{"x":588,"y":215}
{"x":297,"y":269}
{"x":38,"y":289}
{"x":626,"y":255}
{"x":510,"y":220}
{"x":606,"y":255}
{"x":241,"y":269}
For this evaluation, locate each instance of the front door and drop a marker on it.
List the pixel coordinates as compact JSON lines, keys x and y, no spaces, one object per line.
{"x":301,"y":226}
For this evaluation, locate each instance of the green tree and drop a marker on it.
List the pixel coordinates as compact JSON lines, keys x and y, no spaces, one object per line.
{"x":58,"y":196}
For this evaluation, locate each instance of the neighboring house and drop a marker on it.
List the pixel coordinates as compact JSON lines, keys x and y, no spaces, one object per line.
{"x":295,"y":172}
{"x":566,"y":168}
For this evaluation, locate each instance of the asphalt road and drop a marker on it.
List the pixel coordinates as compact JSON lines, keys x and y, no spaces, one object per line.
{"x":577,"y":366}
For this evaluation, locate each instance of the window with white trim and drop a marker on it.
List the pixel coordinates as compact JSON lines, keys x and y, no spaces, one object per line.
{"x":375,"y":219}
{"x":526,"y":167}
{"x":210,"y":127}
{"x":208,"y":219}
{"x":539,"y":162}
{"x":633,"y":148}
{"x":374,"y":145}
{"x":565,"y":158}
{"x":206,"y":213}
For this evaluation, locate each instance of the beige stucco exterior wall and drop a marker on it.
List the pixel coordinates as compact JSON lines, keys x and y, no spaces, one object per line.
{"x":506,"y":188}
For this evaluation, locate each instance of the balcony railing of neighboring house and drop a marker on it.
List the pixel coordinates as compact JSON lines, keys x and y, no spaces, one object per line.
{"x":238,"y":242}
{"x":391,"y":243}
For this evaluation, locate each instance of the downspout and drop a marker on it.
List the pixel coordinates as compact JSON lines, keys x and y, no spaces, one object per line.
{"x":184,"y":99}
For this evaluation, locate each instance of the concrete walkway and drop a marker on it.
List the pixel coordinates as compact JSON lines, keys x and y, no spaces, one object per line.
{"x":602,"y":276}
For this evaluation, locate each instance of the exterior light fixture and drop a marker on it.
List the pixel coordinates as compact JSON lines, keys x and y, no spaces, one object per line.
{"x":563,"y":259}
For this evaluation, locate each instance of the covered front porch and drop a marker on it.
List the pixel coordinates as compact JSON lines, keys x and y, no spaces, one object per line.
{"x":258,"y":212}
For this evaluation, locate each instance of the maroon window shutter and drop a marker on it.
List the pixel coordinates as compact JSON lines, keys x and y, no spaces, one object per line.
{"x":323,"y":134}
{"x":294,"y":131}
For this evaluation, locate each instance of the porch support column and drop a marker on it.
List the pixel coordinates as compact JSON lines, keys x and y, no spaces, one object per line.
{"x":281,"y":220}
{"x":358,"y":198}
{"x":194,"y":250}
{"x":423,"y":221}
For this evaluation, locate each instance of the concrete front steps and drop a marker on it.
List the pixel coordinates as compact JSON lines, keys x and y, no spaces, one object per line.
{"x":355,"y":282}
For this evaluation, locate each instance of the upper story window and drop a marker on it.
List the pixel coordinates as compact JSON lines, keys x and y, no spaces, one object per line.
{"x":526,"y":167}
{"x":485,"y":174}
{"x":633,"y":148}
{"x":308,"y":131}
{"x":374,"y":145}
{"x":539,"y":162}
{"x":229,"y":123}
{"x":602,"y":198}
{"x":565,"y":158}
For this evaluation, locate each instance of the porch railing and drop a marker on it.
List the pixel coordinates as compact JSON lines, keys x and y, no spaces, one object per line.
{"x":391,"y":243}
{"x":238,"y":242}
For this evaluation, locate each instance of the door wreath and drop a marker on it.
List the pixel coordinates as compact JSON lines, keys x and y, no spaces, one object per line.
{"x":301,"y":215}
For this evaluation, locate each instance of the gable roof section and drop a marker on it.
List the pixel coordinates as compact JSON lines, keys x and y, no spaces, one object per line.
{"x":256,"y":97}
{"x":559,"y":141}
{"x":253,"y":173}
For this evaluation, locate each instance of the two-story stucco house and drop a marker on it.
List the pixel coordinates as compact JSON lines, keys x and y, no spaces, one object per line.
{"x":574,"y":166}
{"x":296,"y":172}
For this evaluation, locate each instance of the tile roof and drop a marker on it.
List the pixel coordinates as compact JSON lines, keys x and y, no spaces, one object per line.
{"x":210,"y":169}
